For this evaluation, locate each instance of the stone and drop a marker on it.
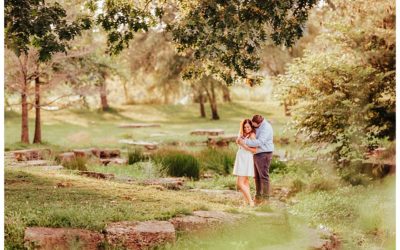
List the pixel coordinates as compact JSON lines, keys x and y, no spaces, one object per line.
{"x":97,"y":175}
{"x":139,"y":125}
{"x":139,"y":235}
{"x":66,"y":157}
{"x":106,"y":153}
{"x":169,"y":183}
{"x":62,"y":238}
{"x":207,"y":132}
{"x":191,"y":223}
{"x":220,"y":216}
{"x":230,"y":194}
{"x":221,"y":140}
{"x":31,"y":154}
{"x":146,"y":145}
{"x":84,"y":153}
{"x":116,"y":161}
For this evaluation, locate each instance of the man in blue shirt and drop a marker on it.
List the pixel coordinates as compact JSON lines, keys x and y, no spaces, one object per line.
{"x":262,"y":157}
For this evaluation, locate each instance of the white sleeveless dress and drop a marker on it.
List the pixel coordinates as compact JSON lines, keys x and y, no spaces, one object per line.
{"x":244,"y":163}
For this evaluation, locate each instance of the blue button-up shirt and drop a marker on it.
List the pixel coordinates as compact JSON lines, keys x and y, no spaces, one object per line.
{"x":264,"y":138}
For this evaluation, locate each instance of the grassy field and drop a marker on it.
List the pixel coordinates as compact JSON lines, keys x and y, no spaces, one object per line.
{"x":361,"y":215}
{"x":84,"y":128}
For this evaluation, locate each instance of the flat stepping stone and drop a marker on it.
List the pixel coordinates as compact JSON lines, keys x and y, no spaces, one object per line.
{"x":191,"y":223}
{"x":30,"y":154}
{"x":231,"y":194}
{"x":61,"y":238}
{"x":115,"y":161}
{"x":221,"y":140}
{"x":139,"y":125}
{"x":97,"y":175}
{"x":107,"y":153}
{"x":146,"y":145}
{"x":218,"y":215}
{"x":169,"y":183}
{"x":207,"y":132}
{"x":84,"y":153}
{"x":139,"y":235}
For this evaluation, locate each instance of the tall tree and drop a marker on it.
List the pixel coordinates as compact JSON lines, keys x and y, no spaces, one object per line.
{"x":45,"y":27}
{"x":342,"y":92}
{"x":225,"y":36}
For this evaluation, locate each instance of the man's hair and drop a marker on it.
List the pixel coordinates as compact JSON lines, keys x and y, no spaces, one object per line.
{"x":257,"y":119}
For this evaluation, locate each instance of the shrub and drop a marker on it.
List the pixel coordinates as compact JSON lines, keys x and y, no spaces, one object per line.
{"x":277,"y":166}
{"x":136,"y":155}
{"x":178,"y":163}
{"x":220,"y":161}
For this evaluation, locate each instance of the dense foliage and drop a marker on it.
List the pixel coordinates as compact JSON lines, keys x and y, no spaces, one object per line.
{"x":342,"y":92}
{"x":225,"y":36}
{"x":44,"y":26}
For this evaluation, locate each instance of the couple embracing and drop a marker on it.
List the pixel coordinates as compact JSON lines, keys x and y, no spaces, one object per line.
{"x":253,"y":158}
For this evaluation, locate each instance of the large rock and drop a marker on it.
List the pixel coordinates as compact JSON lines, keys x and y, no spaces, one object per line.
{"x":169,"y":183}
{"x":221,"y":140}
{"x":31,"y":154}
{"x":192,"y":223}
{"x":139,"y":235}
{"x":84,"y":153}
{"x":220,"y":216}
{"x":107,"y":153}
{"x":61,"y":238}
{"x":146,"y":145}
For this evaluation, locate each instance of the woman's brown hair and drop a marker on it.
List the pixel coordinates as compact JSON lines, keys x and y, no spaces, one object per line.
{"x":244,"y":122}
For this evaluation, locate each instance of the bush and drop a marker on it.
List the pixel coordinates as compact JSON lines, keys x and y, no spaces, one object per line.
{"x":277,"y":166}
{"x":136,"y":155}
{"x":178,"y":164}
{"x":220,"y":161}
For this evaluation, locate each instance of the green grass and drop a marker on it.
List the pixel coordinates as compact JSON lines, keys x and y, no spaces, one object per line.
{"x":363,"y":216}
{"x":85,"y":128}
{"x":33,"y":199}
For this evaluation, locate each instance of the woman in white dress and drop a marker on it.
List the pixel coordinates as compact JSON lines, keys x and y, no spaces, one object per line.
{"x":244,"y":164}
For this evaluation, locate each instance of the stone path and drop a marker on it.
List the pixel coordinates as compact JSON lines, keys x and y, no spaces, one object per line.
{"x":33,"y":158}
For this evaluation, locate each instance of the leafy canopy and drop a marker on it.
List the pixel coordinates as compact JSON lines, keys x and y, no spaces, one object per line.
{"x":225,"y":35}
{"x":44,"y":26}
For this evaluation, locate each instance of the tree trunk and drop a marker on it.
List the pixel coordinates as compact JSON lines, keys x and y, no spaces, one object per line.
{"x":201,"y":101}
{"x":103,"y":97}
{"x":213,"y":103}
{"x":24,"y":115}
{"x":127,"y":98}
{"x":38,"y":129}
{"x":226,"y":94}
